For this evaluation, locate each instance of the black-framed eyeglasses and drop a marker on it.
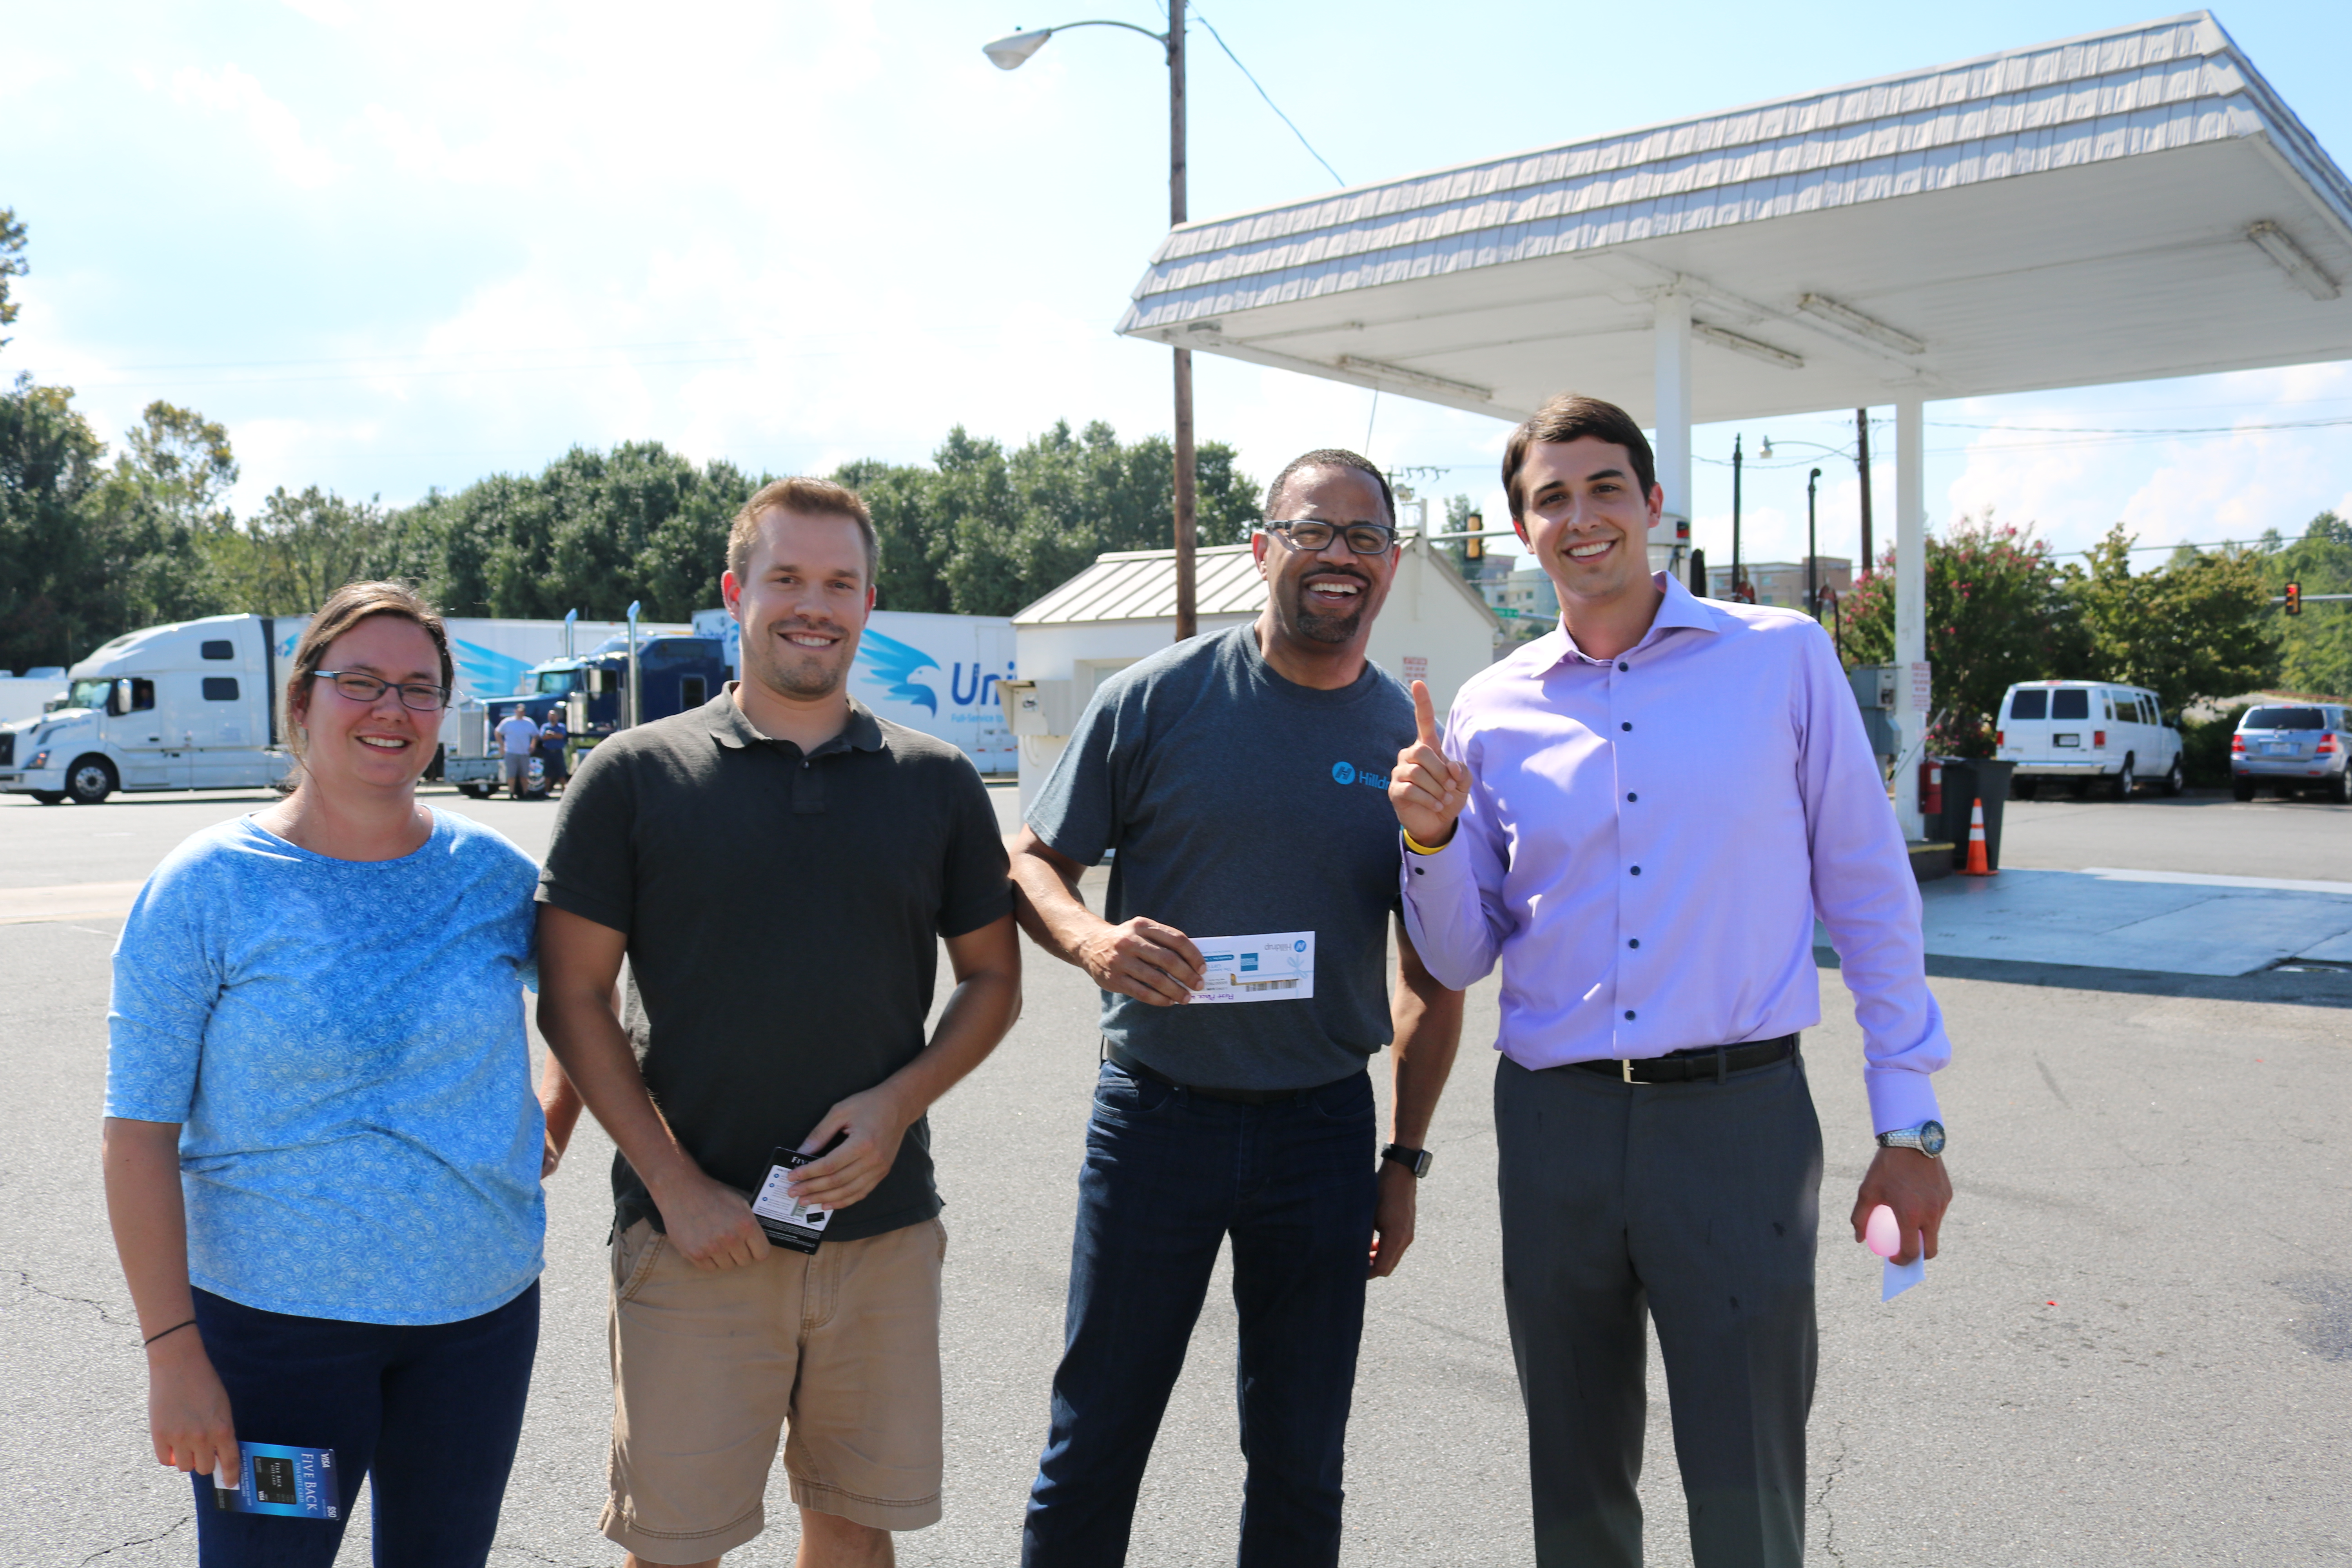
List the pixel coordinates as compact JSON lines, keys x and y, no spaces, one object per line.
{"x":361,"y":687}
{"x":1309,"y":534}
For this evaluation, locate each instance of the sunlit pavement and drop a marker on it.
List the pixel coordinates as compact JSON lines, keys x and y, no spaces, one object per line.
{"x":2136,"y":1347}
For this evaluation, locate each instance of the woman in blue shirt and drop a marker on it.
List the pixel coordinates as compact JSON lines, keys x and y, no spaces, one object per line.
{"x":322,"y":1153}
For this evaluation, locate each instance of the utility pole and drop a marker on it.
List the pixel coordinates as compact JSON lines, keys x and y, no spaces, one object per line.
{"x":1187,"y":612}
{"x":1736,"y":578}
{"x":1862,"y":440}
{"x":1008,"y":53}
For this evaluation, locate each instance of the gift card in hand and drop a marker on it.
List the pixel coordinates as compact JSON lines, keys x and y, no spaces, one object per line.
{"x":272,"y":1477}
{"x":789,"y":1221}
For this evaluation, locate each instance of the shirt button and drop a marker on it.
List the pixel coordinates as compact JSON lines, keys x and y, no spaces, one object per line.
{"x":1416,"y":870}
{"x":1637,"y":870}
{"x":1629,"y":1014}
{"x":1626,"y":725}
{"x":1624,"y":667}
{"x":1634,"y":942}
{"x":1631,"y":795}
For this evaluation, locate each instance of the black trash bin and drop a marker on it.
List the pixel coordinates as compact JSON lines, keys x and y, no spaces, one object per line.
{"x":1967,"y":780}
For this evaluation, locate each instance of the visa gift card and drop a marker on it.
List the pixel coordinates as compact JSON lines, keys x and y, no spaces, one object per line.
{"x":272,"y":1477}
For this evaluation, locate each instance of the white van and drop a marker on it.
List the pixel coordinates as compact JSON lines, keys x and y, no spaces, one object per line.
{"x":2086,"y":732}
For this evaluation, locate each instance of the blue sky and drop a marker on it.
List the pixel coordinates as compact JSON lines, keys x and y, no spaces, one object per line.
{"x":399,"y":248}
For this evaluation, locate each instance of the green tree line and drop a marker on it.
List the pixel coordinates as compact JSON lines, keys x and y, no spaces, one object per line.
{"x":92,"y":545}
{"x":2001,"y":608}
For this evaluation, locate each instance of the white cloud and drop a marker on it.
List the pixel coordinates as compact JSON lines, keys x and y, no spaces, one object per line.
{"x":326,"y":13}
{"x":296,"y":159}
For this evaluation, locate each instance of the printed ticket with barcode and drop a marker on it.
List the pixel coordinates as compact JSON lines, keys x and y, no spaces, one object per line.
{"x":1277,"y":966}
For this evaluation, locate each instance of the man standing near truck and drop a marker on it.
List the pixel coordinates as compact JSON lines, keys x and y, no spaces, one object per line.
{"x":517,"y":736}
{"x":779,"y":868}
{"x":553,"y":737}
{"x":1239,"y":778}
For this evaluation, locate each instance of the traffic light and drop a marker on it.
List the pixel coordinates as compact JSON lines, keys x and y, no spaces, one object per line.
{"x":2294,"y":598}
{"x":1474,"y":549}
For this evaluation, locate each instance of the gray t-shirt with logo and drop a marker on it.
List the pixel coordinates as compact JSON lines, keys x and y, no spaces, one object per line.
{"x":1241,"y":802}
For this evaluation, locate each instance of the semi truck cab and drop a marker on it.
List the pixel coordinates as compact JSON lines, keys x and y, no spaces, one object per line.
{"x":678,"y":673}
{"x":175,"y":707}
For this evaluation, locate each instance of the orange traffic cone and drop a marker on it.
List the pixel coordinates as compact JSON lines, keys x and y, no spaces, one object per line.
{"x":1977,"y":866}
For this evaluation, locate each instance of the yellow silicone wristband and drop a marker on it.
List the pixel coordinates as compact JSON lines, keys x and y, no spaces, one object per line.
{"x":1417,"y":846}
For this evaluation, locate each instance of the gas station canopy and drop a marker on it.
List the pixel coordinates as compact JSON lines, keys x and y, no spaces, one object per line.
{"x":2129,"y":204}
{"x":2120,"y":207}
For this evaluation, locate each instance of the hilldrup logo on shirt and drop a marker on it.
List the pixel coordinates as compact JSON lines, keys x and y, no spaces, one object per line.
{"x":1348,"y":773}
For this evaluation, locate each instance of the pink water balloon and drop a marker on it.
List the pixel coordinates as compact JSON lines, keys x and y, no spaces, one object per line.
{"x":1880,"y":1234}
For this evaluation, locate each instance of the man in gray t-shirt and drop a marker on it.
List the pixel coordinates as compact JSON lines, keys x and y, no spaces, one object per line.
{"x":1241,"y":778}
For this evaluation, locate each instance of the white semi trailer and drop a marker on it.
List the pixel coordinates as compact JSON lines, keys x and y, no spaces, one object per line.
{"x":193,"y":705}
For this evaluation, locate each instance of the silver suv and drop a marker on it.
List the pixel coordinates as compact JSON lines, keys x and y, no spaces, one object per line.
{"x":2293,"y":746}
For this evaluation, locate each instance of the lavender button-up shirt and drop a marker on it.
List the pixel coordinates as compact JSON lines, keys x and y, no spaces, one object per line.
{"x":1648,"y":839}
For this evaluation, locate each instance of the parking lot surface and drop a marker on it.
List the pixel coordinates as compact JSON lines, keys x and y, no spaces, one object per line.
{"x":2209,"y":833}
{"x":2136,"y":1347}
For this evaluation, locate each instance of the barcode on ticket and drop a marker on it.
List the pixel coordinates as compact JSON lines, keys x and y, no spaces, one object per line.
{"x":1267,"y":985}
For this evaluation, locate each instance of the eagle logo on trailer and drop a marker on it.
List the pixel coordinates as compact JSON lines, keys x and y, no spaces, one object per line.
{"x":891,"y":665}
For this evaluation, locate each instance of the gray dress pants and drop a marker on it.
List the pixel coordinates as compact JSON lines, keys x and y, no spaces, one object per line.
{"x":1697,"y":1204}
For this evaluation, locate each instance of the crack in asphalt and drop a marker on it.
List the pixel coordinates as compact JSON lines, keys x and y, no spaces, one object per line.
{"x":142,"y":1540}
{"x":1450,"y":1329}
{"x":26,"y":1280}
{"x":2051,"y":1081}
{"x":1821,"y":1499}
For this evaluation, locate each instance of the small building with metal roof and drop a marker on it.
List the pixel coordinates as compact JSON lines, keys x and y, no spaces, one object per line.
{"x":1434,"y":627}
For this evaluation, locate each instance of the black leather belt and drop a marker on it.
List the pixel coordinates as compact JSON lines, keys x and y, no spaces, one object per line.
{"x":1697,"y":1064}
{"x":1133,"y":1069}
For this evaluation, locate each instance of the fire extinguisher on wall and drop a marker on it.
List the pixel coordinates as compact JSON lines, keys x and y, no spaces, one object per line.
{"x":1931,"y":787}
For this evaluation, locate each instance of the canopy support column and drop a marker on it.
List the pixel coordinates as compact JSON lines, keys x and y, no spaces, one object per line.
{"x":1911,"y":697}
{"x":1671,"y":329}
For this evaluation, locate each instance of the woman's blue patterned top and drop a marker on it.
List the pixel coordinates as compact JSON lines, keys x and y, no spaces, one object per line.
{"x":343,"y":1042}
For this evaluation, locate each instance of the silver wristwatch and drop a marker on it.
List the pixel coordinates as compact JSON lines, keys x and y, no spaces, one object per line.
{"x":1928,"y":1138}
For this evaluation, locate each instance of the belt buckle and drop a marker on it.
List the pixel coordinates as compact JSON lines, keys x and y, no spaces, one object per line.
{"x":1626,"y":1063}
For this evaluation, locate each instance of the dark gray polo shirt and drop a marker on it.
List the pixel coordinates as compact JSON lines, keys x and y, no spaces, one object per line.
{"x":1240,"y":804}
{"x":784,"y":915}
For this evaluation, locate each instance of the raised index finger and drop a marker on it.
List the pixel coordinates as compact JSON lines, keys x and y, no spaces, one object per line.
{"x":1424,"y":715}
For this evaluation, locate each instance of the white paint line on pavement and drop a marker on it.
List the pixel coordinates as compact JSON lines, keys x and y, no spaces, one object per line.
{"x":71,"y":902}
{"x":2208,"y":879}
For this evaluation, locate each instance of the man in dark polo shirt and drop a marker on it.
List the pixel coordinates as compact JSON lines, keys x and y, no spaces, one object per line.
{"x":779,"y":867}
{"x":1240,"y":777}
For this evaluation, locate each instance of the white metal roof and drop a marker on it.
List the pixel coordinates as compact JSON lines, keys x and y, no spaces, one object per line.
{"x":1140,"y":586}
{"x":2070,"y":214}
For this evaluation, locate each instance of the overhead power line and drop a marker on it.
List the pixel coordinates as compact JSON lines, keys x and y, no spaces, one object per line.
{"x":1269,"y":97}
{"x":2142,"y":429}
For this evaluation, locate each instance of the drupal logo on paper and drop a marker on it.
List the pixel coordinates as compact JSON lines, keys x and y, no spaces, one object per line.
{"x":1343,"y":773}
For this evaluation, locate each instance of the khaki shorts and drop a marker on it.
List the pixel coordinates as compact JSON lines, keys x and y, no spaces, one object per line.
{"x":709,"y":1367}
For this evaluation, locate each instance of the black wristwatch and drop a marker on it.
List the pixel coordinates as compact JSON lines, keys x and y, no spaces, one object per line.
{"x":1417,"y":1161}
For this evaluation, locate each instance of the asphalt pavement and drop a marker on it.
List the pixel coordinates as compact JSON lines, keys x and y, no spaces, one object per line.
{"x":2136,"y":1347}
{"x":2206,"y":833}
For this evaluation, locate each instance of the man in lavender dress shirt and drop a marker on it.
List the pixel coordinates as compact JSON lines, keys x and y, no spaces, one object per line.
{"x":1639,"y":814}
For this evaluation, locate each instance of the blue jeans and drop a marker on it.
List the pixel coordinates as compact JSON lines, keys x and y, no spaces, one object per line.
{"x":1169,"y":1175}
{"x":431,"y":1412}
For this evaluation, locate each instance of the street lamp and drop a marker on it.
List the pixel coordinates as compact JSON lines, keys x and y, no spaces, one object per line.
{"x":1812,"y":549}
{"x":1737,"y":581}
{"x":1010,"y":53}
{"x":1859,"y":456}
